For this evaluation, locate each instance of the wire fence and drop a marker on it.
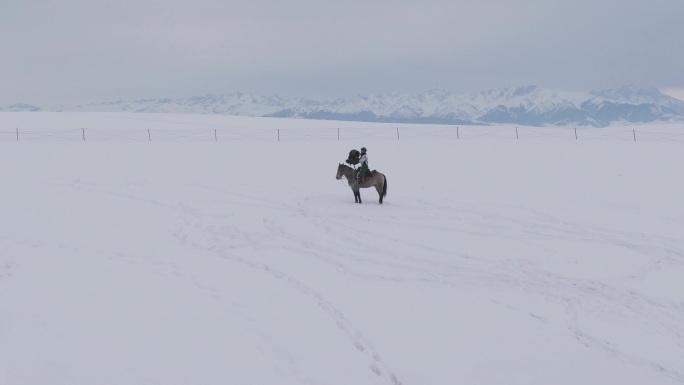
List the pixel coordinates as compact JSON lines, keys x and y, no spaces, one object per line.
{"x":658,"y":133}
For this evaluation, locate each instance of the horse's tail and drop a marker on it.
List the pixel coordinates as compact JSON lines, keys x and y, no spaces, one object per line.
{"x":384,"y":187}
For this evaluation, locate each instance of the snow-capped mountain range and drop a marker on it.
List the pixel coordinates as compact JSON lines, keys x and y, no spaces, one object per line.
{"x":528,"y":105}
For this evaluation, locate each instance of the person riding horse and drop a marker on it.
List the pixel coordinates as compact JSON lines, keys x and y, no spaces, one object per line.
{"x":376,"y":179}
{"x":363,"y":169}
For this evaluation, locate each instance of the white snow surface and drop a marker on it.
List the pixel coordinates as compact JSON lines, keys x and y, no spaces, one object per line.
{"x":491,"y":261}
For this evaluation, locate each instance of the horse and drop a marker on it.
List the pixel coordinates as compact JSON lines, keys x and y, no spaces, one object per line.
{"x":377,"y":180}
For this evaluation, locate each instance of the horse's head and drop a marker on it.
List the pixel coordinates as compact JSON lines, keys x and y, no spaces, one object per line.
{"x":340,"y":171}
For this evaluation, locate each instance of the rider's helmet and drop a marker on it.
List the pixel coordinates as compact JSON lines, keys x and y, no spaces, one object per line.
{"x":363,"y":150}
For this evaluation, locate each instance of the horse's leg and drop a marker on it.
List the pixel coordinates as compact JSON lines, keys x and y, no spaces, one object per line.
{"x":358,"y":193}
{"x":356,"y":200}
{"x":378,"y":188}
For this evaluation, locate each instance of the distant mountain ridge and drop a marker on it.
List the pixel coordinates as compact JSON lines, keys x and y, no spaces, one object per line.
{"x":527,"y":105}
{"x":19,"y":107}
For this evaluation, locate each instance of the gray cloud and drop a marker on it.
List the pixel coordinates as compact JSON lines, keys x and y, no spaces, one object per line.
{"x":79,"y":51}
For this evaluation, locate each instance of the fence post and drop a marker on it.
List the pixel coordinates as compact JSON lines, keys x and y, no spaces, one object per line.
{"x":516,"y":132}
{"x":634,"y":132}
{"x":149,"y":136}
{"x":83,"y":134}
{"x":457,"y":135}
{"x":575,"y":133}
{"x":17,"y":134}
{"x":279,"y":134}
{"x":338,"y":133}
{"x":397,"y":133}
{"x":215,"y":136}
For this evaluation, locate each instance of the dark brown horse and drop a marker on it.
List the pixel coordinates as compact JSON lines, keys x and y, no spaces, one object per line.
{"x":377,"y":180}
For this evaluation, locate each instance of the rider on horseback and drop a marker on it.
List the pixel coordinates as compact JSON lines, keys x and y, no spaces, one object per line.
{"x":363,"y":169}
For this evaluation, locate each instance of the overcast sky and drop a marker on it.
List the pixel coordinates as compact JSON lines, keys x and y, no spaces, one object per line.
{"x":74,"y":51}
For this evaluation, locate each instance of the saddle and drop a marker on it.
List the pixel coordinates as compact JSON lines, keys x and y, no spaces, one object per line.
{"x":367,"y":174}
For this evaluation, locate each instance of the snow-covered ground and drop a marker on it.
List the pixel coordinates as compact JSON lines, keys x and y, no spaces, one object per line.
{"x":243,"y":261}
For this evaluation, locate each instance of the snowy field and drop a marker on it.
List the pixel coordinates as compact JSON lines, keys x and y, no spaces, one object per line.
{"x":239,"y":259}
